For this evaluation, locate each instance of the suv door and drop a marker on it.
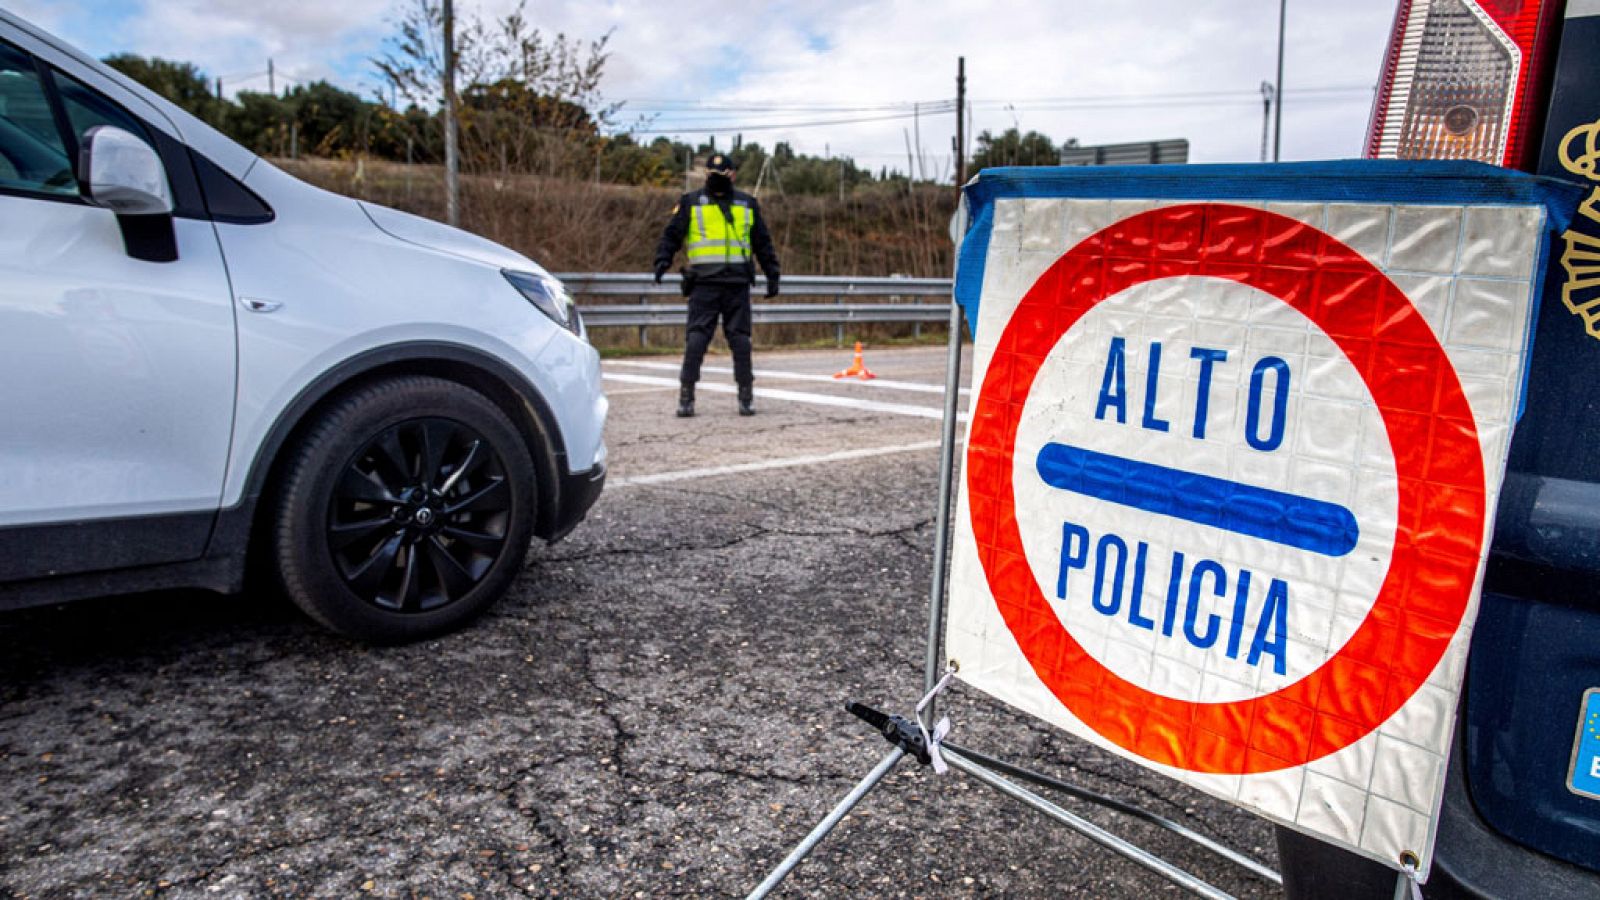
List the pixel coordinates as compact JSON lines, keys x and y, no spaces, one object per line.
{"x":116,"y":373}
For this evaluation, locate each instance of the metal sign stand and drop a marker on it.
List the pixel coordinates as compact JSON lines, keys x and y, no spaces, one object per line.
{"x":913,"y":737}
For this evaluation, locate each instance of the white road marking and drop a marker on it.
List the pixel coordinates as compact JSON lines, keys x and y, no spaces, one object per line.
{"x":659,"y":389}
{"x":899,"y":409}
{"x":795,"y":376}
{"x":714,"y":471}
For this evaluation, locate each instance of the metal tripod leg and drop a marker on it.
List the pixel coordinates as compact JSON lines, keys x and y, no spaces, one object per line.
{"x":1127,"y":809}
{"x":935,"y":610}
{"x":933,"y":664}
{"x":799,"y":853}
{"x":1088,"y":829}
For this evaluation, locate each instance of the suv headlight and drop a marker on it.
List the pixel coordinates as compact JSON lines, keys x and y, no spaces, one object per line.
{"x":549,"y":297}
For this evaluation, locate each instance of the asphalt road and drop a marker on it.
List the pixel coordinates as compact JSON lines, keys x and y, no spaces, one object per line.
{"x":656,"y":709}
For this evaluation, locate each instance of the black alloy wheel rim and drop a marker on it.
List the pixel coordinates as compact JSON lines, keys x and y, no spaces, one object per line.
{"x":420,"y":515}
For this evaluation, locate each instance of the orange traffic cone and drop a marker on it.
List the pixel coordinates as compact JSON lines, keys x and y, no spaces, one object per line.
{"x":858,"y":369}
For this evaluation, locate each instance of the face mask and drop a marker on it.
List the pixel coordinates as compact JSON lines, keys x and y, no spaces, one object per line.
{"x":718,"y":184}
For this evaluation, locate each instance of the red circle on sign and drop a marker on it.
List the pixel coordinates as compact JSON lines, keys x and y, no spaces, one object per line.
{"x":1438,"y":461}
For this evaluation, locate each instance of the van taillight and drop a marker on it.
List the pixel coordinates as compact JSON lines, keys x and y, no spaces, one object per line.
{"x":1463,"y":79}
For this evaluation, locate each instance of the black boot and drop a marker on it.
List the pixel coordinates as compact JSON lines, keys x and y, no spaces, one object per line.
{"x":747,"y":398}
{"x":685,"y":401}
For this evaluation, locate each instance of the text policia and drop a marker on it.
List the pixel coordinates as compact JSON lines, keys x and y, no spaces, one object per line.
{"x":1122,"y":568}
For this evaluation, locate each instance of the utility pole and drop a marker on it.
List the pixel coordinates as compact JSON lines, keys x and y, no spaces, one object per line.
{"x":916,"y":128}
{"x":452,"y":183}
{"x":219,"y":88}
{"x":688,"y":163}
{"x":961,"y":107}
{"x":1277,"y":115}
{"x":1266,"y":116}
{"x":272,"y":79}
{"x":911,"y":166}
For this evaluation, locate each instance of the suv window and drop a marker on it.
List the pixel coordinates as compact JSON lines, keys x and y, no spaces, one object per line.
{"x":86,"y":109}
{"x":32,"y":157}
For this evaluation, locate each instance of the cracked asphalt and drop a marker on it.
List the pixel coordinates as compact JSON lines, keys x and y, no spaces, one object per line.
{"x":654,"y":710}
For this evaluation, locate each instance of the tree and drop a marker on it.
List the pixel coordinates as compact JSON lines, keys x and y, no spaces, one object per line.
{"x":331,"y":121}
{"x":1012,"y":148}
{"x":182,"y":83}
{"x":748,"y":157}
{"x":818,"y":175}
{"x":261,"y":122}
{"x":520,"y":89}
{"x":626,"y":162}
{"x":507,"y":126}
{"x":514,"y":100}
{"x":413,"y":58}
{"x":322,"y":119}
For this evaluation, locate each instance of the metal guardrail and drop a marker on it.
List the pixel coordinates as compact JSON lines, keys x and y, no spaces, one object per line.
{"x":771,"y":313}
{"x":591,"y":284}
{"x":646,"y":313}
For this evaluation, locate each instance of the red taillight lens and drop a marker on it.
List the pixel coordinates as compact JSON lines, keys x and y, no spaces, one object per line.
{"x":1461,"y":81}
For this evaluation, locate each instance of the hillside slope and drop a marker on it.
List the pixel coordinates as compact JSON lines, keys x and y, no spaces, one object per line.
{"x":588,"y":227}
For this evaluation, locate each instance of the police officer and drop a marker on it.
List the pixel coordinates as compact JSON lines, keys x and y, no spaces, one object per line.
{"x":720,"y":230}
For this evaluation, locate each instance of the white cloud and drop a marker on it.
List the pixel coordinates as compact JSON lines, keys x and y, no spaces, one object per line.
{"x":885,"y":51}
{"x":869,"y":52}
{"x":46,"y":14}
{"x":305,"y":40}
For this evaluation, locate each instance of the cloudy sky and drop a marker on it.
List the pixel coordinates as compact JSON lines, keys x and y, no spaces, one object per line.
{"x":842,"y":76}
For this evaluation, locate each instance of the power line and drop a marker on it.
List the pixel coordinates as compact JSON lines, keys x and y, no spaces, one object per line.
{"x":696,"y":115}
{"x":711,"y":117}
{"x":817,"y":123}
{"x":670,"y":106}
{"x":1167,"y":95}
{"x":1243,"y":100}
{"x":665,"y":105}
{"x":717,"y":126}
{"x":255,"y":76}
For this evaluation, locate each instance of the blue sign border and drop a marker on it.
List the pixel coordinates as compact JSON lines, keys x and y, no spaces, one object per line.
{"x":1437,"y":182}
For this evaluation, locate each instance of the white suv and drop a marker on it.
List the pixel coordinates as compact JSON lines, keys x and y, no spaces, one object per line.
{"x":204,"y":360}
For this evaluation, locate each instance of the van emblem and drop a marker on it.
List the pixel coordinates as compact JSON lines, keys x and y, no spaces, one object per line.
{"x":1580,"y":155}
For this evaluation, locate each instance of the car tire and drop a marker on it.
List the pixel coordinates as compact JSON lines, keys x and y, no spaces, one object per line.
{"x":406,"y":509}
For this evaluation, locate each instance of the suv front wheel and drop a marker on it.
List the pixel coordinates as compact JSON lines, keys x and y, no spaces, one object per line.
{"x":406,"y":510}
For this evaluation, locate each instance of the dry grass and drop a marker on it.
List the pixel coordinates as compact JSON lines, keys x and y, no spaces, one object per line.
{"x":583,"y":226}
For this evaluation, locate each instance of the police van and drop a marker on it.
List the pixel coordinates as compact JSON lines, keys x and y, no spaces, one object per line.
{"x":1515,"y":83}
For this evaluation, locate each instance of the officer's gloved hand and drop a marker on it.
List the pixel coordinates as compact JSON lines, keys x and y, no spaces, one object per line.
{"x":772,"y":285}
{"x":660,"y":271}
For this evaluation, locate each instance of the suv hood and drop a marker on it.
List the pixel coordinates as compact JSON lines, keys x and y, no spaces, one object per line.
{"x":435,"y":236}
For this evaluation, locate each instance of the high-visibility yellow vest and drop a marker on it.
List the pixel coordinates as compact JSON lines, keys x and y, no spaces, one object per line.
{"x":714,"y":241}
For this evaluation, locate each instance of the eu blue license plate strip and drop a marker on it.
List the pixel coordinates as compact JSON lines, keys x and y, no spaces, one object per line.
{"x":1584,"y":776}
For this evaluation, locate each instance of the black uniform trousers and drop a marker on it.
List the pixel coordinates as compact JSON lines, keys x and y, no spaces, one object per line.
{"x":709,"y":301}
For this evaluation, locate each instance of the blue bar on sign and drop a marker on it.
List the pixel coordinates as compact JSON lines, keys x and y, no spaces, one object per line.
{"x":1288,"y":519}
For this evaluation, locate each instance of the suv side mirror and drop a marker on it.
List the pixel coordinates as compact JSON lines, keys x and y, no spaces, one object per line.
{"x":124,"y":175}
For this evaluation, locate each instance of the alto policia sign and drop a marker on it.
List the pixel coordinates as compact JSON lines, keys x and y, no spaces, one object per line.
{"x":1234,"y":452}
